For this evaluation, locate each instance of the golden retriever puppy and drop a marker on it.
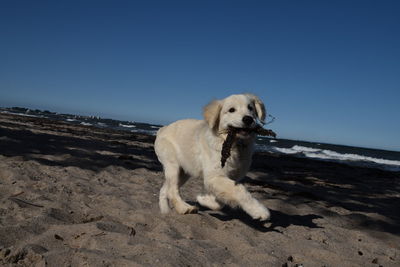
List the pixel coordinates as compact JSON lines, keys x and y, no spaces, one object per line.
{"x":192,"y":148}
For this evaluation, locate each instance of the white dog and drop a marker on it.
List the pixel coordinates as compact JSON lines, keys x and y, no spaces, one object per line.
{"x":192,"y":148}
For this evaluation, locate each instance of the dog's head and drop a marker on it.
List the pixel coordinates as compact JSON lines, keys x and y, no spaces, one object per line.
{"x":238,"y":111}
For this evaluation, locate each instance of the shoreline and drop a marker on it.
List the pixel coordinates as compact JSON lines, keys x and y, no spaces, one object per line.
{"x":357,"y":156}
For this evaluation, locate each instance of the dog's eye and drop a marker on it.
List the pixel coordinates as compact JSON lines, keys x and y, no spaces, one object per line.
{"x":250,"y":107}
{"x":231,"y":110}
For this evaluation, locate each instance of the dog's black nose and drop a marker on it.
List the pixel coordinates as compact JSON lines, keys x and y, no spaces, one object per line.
{"x":247,"y":120}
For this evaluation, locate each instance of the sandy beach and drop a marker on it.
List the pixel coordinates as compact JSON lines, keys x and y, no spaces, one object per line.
{"x":82,"y":196}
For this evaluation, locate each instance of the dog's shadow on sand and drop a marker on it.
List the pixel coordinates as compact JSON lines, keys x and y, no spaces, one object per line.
{"x":278,"y":219}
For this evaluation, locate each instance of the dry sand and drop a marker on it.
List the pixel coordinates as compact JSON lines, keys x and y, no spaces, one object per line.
{"x":82,"y":196}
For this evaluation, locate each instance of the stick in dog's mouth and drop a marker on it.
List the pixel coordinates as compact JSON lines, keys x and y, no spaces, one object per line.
{"x":230,"y":138}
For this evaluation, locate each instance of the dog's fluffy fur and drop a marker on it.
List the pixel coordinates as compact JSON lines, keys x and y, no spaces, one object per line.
{"x":192,"y":148}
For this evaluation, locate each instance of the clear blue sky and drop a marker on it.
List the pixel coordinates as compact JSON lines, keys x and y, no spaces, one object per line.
{"x":328,"y":70}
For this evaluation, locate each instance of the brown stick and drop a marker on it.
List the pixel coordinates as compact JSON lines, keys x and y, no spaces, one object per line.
{"x":230,"y":138}
{"x":21,"y":202}
{"x":227,"y":145}
{"x":17,"y":194}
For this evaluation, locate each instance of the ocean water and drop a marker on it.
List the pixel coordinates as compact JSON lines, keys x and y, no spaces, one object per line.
{"x":366,"y":157}
{"x":357,"y":156}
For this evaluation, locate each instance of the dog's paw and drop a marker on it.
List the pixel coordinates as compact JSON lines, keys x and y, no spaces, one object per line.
{"x":185,"y":208}
{"x":260,"y":213}
{"x":191,"y":210}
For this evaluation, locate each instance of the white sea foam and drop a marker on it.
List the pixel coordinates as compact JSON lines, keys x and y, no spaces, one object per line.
{"x":154,"y":127}
{"x":273,"y":141}
{"x":284,"y":150}
{"x":127,"y":125}
{"x":22,"y":114}
{"x":71,"y":120}
{"x":150,"y":132}
{"x":324,"y":154}
{"x":305,"y":149}
{"x":85,"y":123}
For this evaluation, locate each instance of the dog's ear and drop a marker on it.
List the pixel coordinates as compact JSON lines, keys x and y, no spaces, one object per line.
{"x":211,"y":114}
{"x":260,"y":108}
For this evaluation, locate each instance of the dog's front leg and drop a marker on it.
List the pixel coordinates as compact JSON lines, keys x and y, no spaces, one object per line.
{"x":232,"y":194}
